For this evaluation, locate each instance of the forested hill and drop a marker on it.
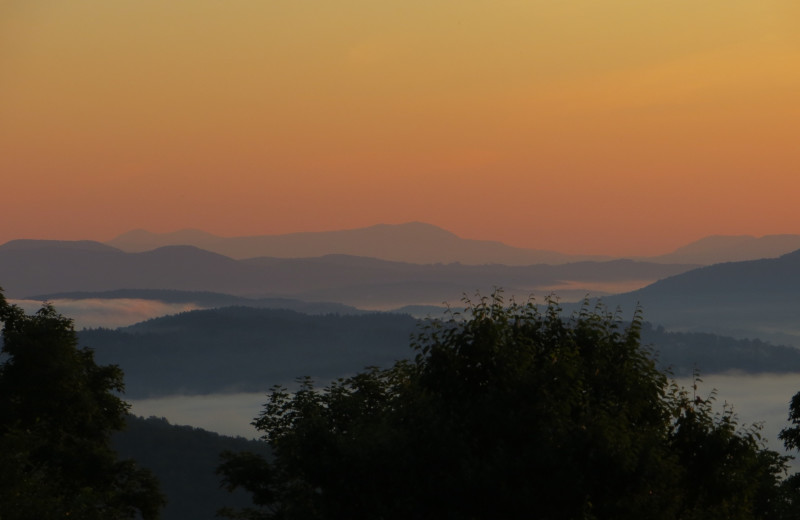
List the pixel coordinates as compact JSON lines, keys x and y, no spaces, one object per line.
{"x":248,"y":349}
{"x":683,"y":352}
{"x":757,"y":298}
{"x":184,"y":460}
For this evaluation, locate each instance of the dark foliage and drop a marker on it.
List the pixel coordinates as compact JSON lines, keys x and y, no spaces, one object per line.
{"x":184,"y":460}
{"x":508,"y":412}
{"x":791,"y":440}
{"x":58,"y":410}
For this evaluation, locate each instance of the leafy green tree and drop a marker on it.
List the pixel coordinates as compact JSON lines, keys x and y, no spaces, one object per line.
{"x":58,"y":410}
{"x":507,"y":412}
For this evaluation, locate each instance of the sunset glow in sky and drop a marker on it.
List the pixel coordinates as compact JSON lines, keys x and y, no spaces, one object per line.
{"x":614,"y":127}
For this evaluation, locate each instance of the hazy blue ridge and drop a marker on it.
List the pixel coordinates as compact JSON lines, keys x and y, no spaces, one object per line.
{"x":750,"y":299}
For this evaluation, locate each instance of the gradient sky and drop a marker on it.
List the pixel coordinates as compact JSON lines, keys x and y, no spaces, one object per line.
{"x":614,"y":127}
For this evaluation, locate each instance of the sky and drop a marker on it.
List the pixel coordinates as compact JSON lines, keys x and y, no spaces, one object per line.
{"x":618,"y":127}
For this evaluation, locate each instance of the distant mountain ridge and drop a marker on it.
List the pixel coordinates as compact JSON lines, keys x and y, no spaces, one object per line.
{"x":731,"y":248}
{"x":421,"y":243}
{"x":362,"y":282}
{"x":776,"y":278}
{"x":754,"y":298}
{"x":413,"y":242}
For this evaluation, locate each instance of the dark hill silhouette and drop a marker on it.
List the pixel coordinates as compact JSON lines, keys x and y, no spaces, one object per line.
{"x":413,"y":242}
{"x":756,"y":298}
{"x":766,"y":278}
{"x":184,"y":460}
{"x":59,"y":268}
{"x":246,"y":349}
{"x":345,"y":279}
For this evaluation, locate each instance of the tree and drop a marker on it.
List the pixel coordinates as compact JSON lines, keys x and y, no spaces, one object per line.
{"x":58,"y":410}
{"x":507,"y":412}
{"x":791,"y":441}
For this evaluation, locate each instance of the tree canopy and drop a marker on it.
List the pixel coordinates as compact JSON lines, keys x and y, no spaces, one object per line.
{"x":58,"y":409}
{"x":508,"y":411}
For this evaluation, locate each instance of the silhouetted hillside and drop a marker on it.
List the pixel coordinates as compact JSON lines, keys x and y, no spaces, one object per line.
{"x":184,"y":459}
{"x":757,"y":298}
{"x":357,"y":281}
{"x":247,"y":349}
{"x":683,"y":352}
{"x":58,"y":268}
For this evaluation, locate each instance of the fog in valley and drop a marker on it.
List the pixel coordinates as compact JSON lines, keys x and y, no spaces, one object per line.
{"x":228,"y":414}
{"x":755,"y":398}
{"x":108,"y":313}
{"x":456,"y":247}
{"x":199,"y":361}
{"x":761,"y":398}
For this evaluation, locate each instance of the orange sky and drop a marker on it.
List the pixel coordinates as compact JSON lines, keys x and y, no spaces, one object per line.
{"x":614,"y":127}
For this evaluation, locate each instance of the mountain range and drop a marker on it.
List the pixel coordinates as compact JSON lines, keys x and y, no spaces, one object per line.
{"x":752,"y":298}
{"x":413,"y":242}
{"x":700,"y":316}
{"x":417,"y":242}
{"x":755,"y":298}
{"x":44,"y":267}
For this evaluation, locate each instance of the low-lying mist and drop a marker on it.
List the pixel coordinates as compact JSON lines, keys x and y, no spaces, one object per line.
{"x":109,"y":313}
{"x":760,"y":398}
{"x":228,"y":414}
{"x":756,"y":398}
